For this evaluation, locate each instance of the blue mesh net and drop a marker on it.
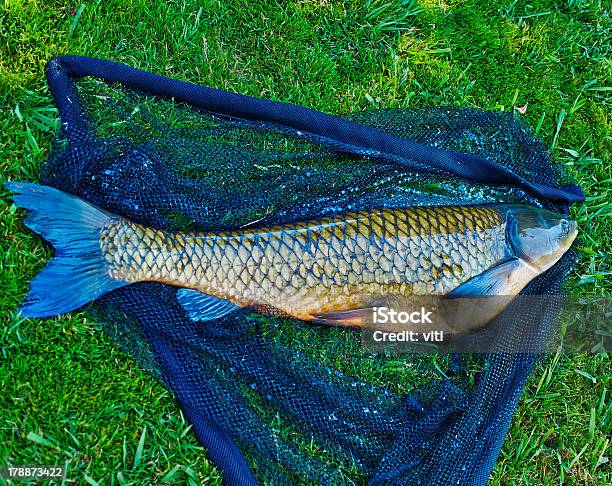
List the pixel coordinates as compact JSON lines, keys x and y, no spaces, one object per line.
{"x":274,"y":399}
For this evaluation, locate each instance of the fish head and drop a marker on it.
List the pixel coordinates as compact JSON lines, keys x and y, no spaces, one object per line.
{"x":538,"y":236}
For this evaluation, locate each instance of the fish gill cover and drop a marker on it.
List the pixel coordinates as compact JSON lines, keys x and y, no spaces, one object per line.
{"x":274,"y":398}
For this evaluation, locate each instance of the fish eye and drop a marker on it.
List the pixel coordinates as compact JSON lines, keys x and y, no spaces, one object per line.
{"x":565,"y":226}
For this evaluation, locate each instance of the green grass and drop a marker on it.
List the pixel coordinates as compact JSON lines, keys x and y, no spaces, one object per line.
{"x":71,"y":397}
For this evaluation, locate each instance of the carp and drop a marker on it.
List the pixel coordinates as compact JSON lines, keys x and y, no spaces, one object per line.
{"x":331,"y":270}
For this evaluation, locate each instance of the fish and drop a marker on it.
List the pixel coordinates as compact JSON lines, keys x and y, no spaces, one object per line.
{"x":330,"y":270}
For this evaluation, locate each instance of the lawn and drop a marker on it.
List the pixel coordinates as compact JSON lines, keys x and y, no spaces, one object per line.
{"x":70,"y":397}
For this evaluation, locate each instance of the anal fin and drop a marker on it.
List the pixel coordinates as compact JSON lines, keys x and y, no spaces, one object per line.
{"x":350,"y":317}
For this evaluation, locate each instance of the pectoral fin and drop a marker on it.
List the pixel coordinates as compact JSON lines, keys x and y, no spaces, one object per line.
{"x":204,"y":307}
{"x":507,"y":278}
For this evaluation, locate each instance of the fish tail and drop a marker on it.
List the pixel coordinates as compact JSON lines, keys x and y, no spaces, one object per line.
{"x":78,"y":272}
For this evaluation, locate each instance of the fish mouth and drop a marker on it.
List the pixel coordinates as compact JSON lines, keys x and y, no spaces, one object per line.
{"x":573,"y":231}
{"x":572,"y":234}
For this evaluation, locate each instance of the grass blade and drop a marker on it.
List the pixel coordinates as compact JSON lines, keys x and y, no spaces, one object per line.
{"x":75,"y":20}
{"x":140,"y":448}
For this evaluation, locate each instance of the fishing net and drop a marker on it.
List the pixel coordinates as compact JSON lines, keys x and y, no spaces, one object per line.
{"x":276,"y":400}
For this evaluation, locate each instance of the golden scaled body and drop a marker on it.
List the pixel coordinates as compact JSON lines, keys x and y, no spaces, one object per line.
{"x":350,"y":261}
{"x":330,"y":270}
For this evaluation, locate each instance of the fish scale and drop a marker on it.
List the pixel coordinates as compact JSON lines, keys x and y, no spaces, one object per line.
{"x":320,"y":265}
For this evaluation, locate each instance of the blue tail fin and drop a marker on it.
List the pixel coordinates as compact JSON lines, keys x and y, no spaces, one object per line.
{"x":77,"y":274}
